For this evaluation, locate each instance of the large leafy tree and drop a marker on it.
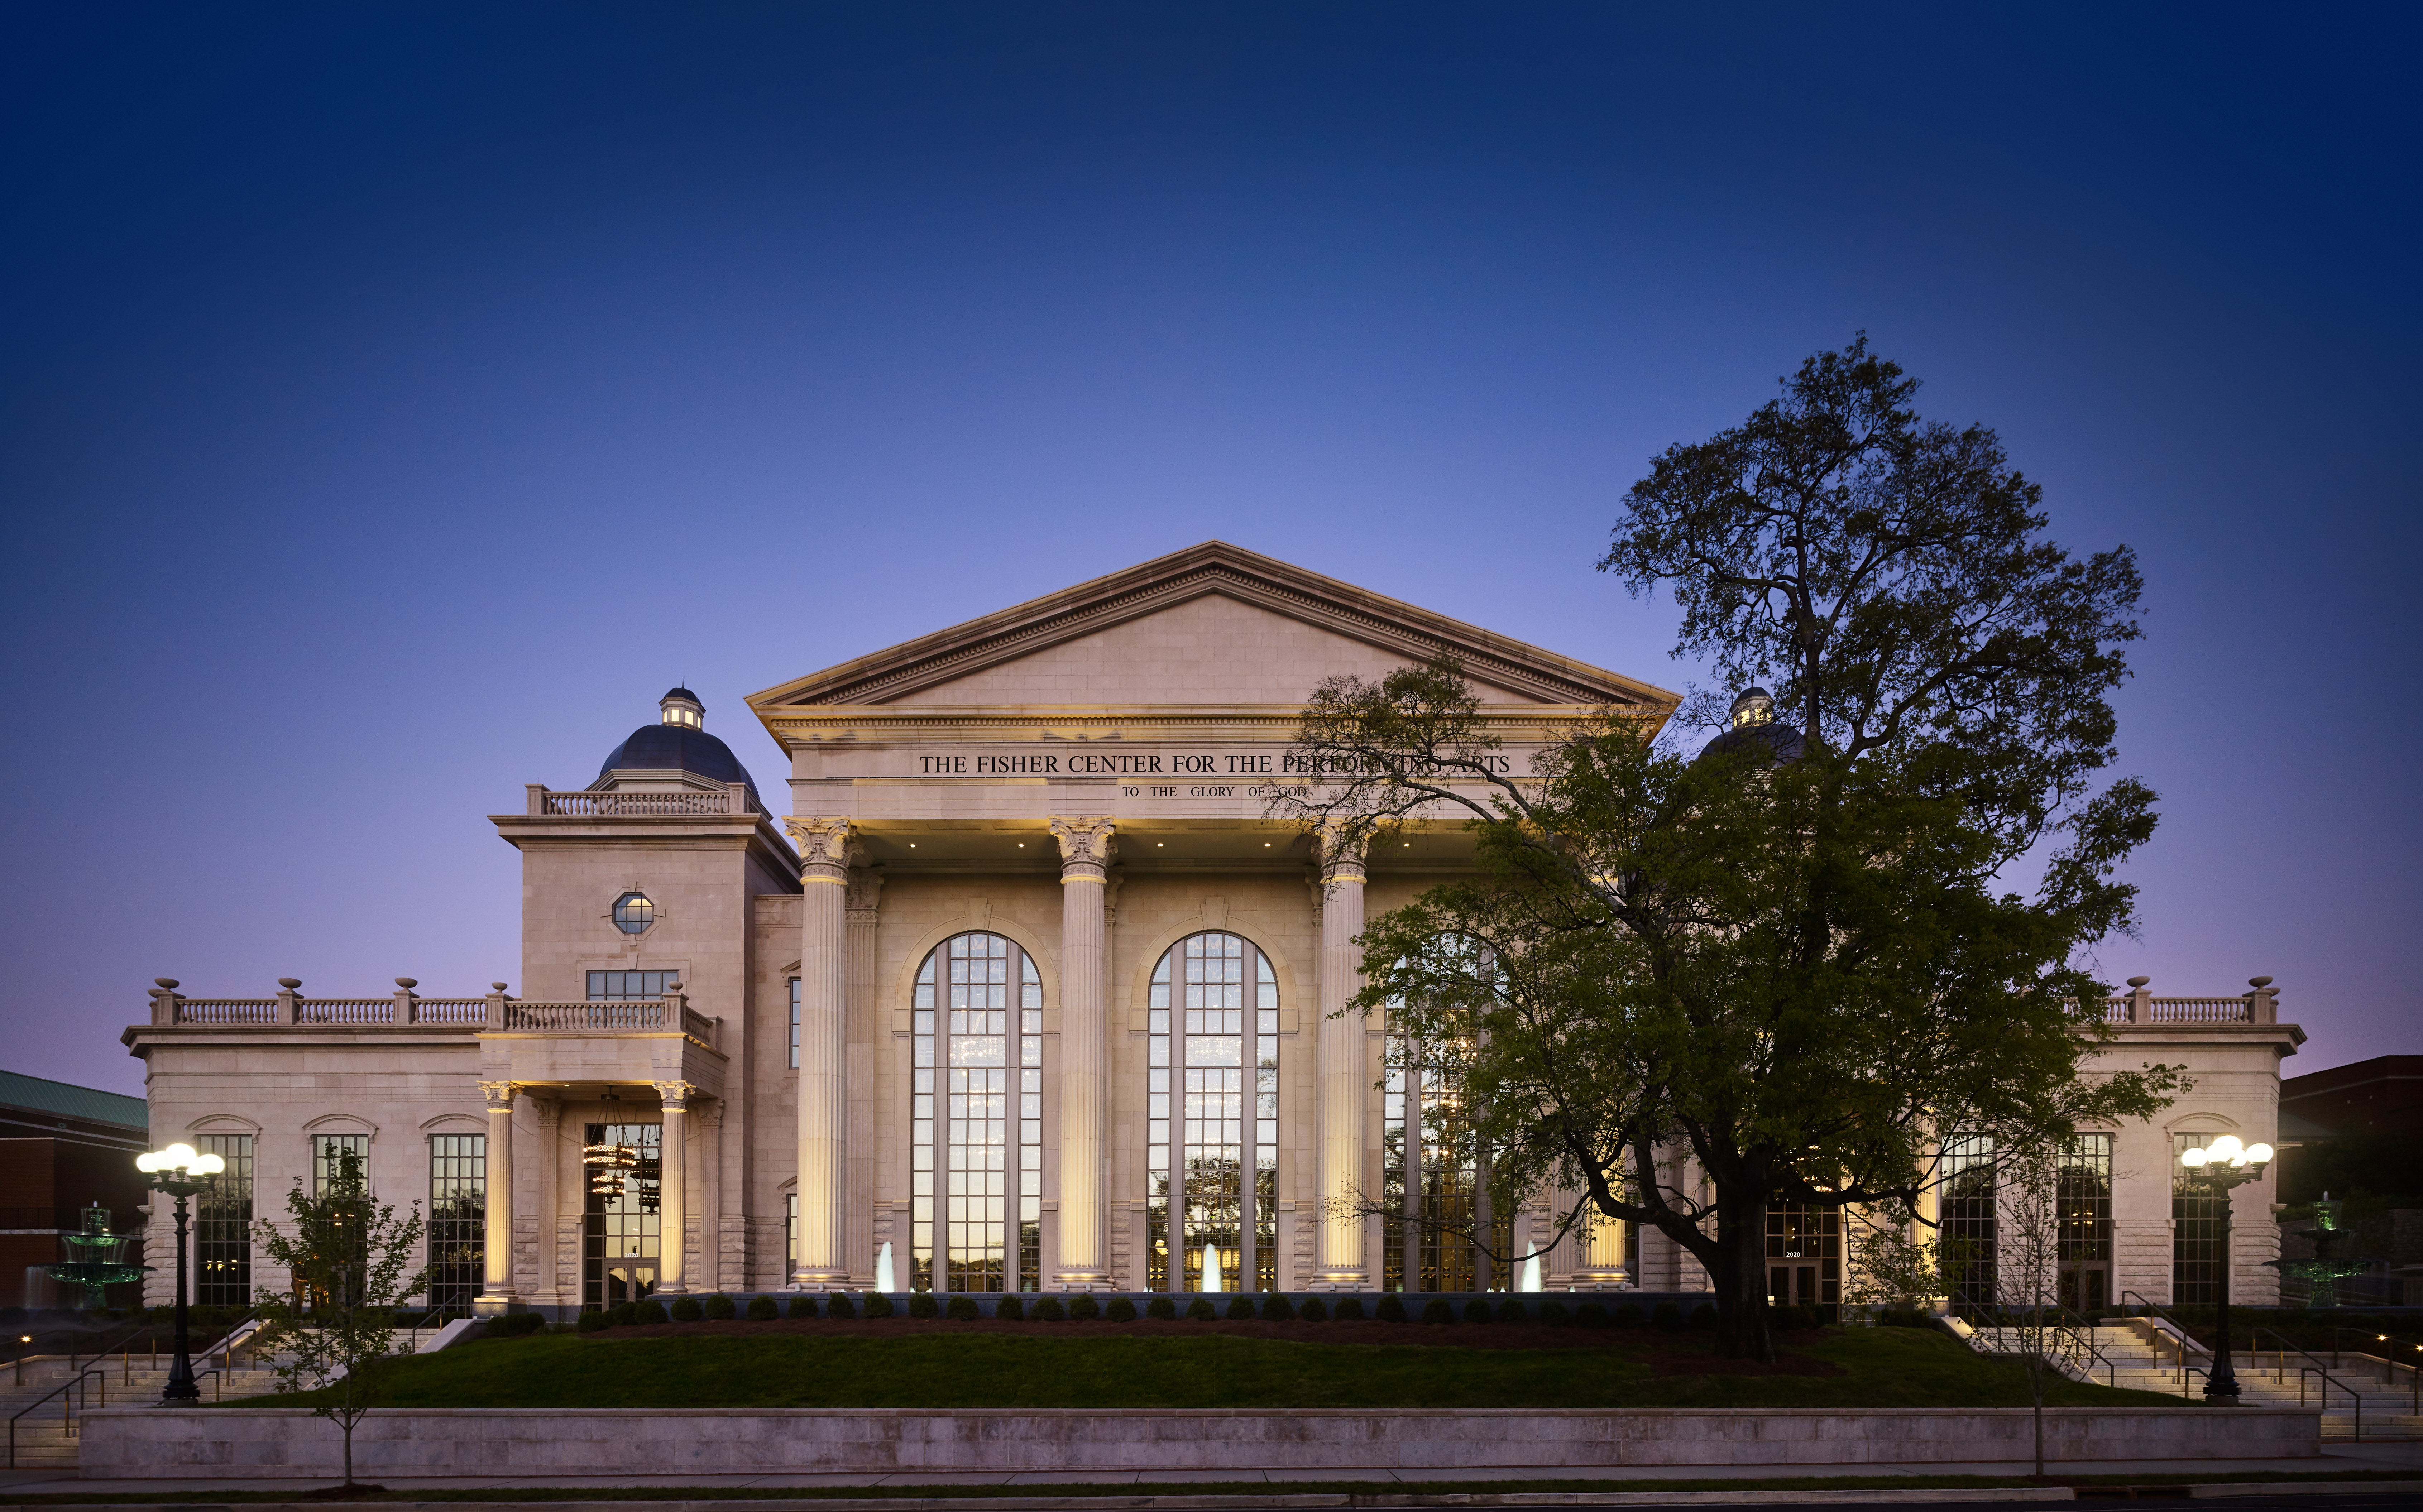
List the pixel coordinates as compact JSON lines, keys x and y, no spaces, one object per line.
{"x":1788,"y":963}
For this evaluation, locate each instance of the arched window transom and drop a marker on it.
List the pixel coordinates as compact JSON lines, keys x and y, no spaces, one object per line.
{"x":977,"y":1119}
{"x":1211,"y":1164}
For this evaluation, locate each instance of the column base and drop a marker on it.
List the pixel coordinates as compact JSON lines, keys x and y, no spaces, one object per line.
{"x":1081,"y":1280}
{"x":821,"y":1281}
{"x":1342,"y":1281}
{"x":493,"y":1305}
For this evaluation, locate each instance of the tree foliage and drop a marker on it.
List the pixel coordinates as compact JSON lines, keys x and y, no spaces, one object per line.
{"x":1796,"y":974}
{"x":351,"y":1259}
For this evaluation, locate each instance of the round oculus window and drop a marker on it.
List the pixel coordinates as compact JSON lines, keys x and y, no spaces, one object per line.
{"x":634,"y":913}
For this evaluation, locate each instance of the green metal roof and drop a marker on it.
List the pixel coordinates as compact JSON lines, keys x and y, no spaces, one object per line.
{"x":69,"y":1101}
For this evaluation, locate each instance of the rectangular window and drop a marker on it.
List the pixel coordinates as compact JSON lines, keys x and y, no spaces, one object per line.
{"x":223,"y":1226}
{"x":794,"y":1023}
{"x":623,"y":987}
{"x":2082,"y":1201}
{"x":330,"y":1153}
{"x":790,"y":1236}
{"x":1971,"y":1220}
{"x":2196,"y":1232}
{"x":458,"y":1212}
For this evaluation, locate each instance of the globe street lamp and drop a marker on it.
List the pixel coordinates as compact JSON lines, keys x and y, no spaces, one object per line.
{"x":2221,"y":1166}
{"x":180,"y":1172}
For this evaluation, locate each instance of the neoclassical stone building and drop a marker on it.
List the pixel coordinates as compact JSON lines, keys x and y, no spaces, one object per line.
{"x":1022,"y":991}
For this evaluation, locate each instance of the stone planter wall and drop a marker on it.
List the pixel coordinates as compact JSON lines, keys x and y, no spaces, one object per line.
{"x":151,"y":1441}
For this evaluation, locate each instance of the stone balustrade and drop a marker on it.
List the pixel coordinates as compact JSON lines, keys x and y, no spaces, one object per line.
{"x":641,"y":803}
{"x":2260,"y":1005}
{"x":290,"y":1009}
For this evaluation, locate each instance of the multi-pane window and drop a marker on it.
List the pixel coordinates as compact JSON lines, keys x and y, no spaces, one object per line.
{"x":1212,"y":1161}
{"x":790,"y":1236}
{"x":624,"y":986}
{"x":620,"y":1238}
{"x":1971,"y":1224}
{"x":1434,"y":1183}
{"x":223,"y":1226}
{"x":794,"y":1023}
{"x":2196,"y":1230}
{"x":330,"y":1153}
{"x":458,"y":1211}
{"x":976,"y":1132}
{"x":634,"y":913}
{"x":2082,"y":1240}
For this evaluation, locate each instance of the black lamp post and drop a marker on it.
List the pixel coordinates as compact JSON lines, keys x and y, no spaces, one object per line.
{"x":180,"y":1172}
{"x":2223,"y":1165}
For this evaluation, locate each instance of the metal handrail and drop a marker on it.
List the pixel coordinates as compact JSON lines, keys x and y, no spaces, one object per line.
{"x":2303,"y":1371}
{"x":67,"y":1408}
{"x":2086,"y":1332}
{"x":2314,"y":1365}
{"x":2184,"y":1339}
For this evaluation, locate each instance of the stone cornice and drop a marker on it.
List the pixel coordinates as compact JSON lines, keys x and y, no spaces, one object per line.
{"x":1273,"y":722}
{"x":1214,"y":567}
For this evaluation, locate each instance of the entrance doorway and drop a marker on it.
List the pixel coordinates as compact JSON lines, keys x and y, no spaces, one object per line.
{"x":618,"y":1248}
{"x":1804,"y":1258}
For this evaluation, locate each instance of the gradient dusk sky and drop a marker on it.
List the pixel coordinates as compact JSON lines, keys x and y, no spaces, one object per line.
{"x":395,"y":401}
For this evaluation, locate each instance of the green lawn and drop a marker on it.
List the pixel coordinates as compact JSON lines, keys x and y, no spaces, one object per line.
{"x":1878,"y":1367}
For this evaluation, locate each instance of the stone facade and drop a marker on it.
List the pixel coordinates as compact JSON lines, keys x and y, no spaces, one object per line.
{"x":1086,"y":777}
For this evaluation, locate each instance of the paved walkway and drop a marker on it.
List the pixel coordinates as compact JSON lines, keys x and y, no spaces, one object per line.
{"x":2378,"y":1456}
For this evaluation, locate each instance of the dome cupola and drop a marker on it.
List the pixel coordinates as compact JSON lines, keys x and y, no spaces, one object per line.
{"x":682,"y":708}
{"x":1750,"y":725}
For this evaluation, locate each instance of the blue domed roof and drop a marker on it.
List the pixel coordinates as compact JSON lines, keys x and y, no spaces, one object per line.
{"x":1756,"y":729}
{"x":672,"y":746}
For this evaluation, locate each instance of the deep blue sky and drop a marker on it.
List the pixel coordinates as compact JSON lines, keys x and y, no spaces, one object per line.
{"x":394,"y":402}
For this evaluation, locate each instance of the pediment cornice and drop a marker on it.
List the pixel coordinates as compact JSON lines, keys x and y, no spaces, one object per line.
{"x":1214,"y":567}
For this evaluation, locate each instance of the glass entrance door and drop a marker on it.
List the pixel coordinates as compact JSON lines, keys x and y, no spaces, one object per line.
{"x":618,"y":1251}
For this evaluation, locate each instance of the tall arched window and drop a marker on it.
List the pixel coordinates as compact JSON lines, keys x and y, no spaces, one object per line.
{"x":976,"y":1131}
{"x":1212,"y":1168}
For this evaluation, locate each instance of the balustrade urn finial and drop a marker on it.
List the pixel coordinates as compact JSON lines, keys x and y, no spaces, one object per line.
{"x":407,"y":984}
{"x":289,"y":983}
{"x":2139,"y":981}
{"x":169,"y":983}
{"x":496,"y":986}
{"x":2258,"y":982}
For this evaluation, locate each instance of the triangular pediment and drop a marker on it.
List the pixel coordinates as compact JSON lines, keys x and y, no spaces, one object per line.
{"x":1212,"y":625}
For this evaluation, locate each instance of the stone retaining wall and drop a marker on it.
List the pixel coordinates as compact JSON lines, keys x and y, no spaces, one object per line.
{"x":135,"y":1443}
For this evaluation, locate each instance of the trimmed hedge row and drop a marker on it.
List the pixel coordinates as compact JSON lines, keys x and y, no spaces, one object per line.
{"x":1273,"y":1307}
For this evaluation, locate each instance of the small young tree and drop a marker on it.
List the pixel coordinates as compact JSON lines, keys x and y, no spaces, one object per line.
{"x":352,"y":1262}
{"x":2051,"y":1342}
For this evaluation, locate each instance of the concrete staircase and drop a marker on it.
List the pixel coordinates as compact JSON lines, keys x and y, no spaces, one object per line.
{"x":46,"y":1436}
{"x":2143,"y":1355}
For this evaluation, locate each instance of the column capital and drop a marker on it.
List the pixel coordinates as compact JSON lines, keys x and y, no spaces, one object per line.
{"x":1341,"y":844}
{"x":550,"y":1111}
{"x":827,"y":847}
{"x":1085,"y":845}
{"x":499,"y":1095}
{"x":863,"y":894}
{"x":676,"y":1093}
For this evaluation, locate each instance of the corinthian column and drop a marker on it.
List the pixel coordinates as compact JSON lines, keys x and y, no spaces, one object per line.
{"x":1343,"y":1080}
{"x":497,"y":1219}
{"x":1084,"y":1085}
{"x":824,"y":1049}
{"x":672,"y":1189}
